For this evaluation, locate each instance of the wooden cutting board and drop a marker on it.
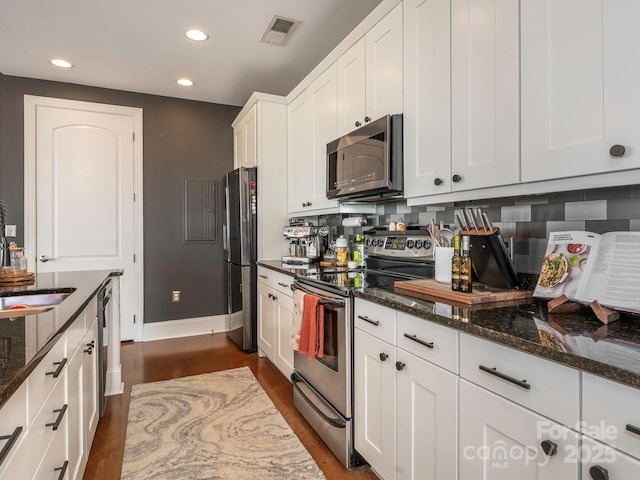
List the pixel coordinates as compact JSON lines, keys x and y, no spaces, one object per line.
{"x":441,"y":290}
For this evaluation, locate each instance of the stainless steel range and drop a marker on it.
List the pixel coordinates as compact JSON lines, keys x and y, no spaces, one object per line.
{"x":323,"y":388}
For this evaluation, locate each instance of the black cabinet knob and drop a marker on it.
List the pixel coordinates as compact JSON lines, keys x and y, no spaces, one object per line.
{"x":549,"y":448}
{"x":274,"y":297}
{"x":358,"y":124}
{"x":438,"y":181}
{"x":617,"y":151}
{"x":599,"y":473}
{"x":367,"y":119}
{"x":456,"y":178}
{"x":383,"y":357}
{"x":88,"y":350}
{"x":399,"y":365}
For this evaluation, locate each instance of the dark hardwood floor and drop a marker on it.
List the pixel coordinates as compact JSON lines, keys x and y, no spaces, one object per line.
{"x":166,"y":359}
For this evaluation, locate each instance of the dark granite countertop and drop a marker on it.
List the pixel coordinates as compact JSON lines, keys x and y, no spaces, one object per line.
{"x":577,"y":340}
{"x":278,"y":266}
{"x":24,"y":341}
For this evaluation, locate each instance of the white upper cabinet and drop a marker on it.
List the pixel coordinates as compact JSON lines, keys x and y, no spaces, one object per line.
{"x":370,"y":75}
{"x":427,"y":97}
{"x":312,"y":124}
{"x":245,"y":134}
{"x":580,"y":75}
{"x":485,"y":127}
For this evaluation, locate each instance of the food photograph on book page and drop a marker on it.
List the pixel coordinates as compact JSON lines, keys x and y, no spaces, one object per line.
{"x":562,"y":269}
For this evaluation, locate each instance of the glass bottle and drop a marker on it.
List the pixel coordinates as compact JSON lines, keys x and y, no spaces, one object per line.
{"x":342,"y":252}
{"x":466,"y":281}
{"x":456,"y":261}
{"x":358,"y":250}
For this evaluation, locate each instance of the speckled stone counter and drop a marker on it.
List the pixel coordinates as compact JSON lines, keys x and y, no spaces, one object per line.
{"x":578,"y":339}
{"x":24,"y":341}
{"x":278,"y":266}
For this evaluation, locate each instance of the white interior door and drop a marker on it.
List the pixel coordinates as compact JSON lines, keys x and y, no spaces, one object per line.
{"x":84,"y":193}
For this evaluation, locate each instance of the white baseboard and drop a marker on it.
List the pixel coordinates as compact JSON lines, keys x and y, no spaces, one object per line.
{"x":186,"y":327}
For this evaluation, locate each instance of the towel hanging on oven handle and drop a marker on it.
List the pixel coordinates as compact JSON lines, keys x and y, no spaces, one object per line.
{"x":323,"y":301}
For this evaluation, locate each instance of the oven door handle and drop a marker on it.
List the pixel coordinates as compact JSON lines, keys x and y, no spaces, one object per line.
{"x":337,"y":423}
{"x":331,"y":302}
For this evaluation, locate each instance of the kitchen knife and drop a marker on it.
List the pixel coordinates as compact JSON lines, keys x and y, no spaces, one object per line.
{"x":472,"y":222}
{"x":487,"y":221}
{"x":481,"y":220}
{"x":461,"y":221}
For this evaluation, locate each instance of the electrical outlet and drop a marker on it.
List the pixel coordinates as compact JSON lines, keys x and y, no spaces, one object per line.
{"x":175,"y":296}
{"x":9,"y":230}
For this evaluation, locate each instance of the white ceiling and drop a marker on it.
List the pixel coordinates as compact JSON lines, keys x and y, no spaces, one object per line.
{"x":139,"y":45}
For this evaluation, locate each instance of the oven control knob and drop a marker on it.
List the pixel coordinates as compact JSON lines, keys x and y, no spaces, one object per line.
{"x":367,"y":242}
{"x":410,"y":243}
{"x":380,"y":242}
{"x":427,"y":244}
{"x":418,"y":244}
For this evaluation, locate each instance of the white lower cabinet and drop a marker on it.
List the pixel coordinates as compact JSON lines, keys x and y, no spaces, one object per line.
{"x":405,"y":420}
{"x":275,"y":318}
{"x":602,"y":462}
{"x":502,"y":440}
{"x":56,"y":409}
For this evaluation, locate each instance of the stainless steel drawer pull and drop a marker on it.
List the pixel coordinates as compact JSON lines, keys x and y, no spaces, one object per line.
{"x":366,"y":319}
{"x":417,"y":340}
{"x":283,"y":284}
{"x":60,"y":412}
{"x":11,"y":440}
{"x":495,"y":372}
{"x":58,"y":370}
{"x":62,"y":469}
{"x":633,"y":429}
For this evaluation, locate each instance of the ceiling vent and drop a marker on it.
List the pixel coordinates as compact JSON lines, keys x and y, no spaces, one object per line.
{"x":279,"y":30}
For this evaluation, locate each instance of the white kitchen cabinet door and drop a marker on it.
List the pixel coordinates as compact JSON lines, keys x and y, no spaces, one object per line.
{"x":427,"y":97}
{"x":375,"y":403}
{"x":384,"y":66}
{"x":245,"y":140}
{"x":351,"y":88}
{"x":13,"y":423}
{"x":266,"y":320}
{"x":312,"y":124}
{"x":580,"y":78}
{"x":77,"y":454}
{"x":284,"y":320}
{"x":427,"y":420}
{"x":500,"y":440}
{"x":90,"y":379}
{"x":485,"y":117}
{"x":602,"y":462}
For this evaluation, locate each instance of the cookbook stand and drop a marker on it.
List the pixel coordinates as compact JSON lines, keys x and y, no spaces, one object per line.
{"x":490,"y":259}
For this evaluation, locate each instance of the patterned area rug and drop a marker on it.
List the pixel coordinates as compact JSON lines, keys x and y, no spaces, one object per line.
{"x":213,"y":426}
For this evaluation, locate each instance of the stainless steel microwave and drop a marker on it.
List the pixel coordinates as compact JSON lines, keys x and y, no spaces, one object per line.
{"x":366,"y":164}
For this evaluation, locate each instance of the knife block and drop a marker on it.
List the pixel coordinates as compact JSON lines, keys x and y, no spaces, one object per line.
{"x":490,"y":260}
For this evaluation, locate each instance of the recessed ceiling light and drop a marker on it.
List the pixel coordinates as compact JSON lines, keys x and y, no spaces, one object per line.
{"x":197,"y":35}
{"x":59,"y":62}
{"x":185,"y":82}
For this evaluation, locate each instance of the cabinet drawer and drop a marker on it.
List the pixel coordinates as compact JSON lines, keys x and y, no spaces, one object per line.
{"x":283,"y":284}
{"x":41,"y":432}
{"x":610,"y":413}
{"x":54,"y":463}
{"x":75,"y":333}
{"x":375,"y":319}
{"x":13,"y":422}
{"x":267,"y":276}
{"x":541,"y":385}
{"x":428,"y":340}
{"x":46,"y":374}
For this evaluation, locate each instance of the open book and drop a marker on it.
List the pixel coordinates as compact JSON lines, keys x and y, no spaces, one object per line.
{"x":587,"y":266}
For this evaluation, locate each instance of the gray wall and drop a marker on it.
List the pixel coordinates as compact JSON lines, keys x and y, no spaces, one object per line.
{"x":182,"y":139}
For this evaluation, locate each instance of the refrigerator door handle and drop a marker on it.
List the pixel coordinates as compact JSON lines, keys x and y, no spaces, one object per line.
{"x":224,"y":238}
{"x":225,"y":232}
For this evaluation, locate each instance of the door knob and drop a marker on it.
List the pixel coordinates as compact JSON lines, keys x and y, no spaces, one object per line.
{"x":399,"y":365}
{"x":456,"y":178}
{"x":438,"y":181}
{"x":617,"y":151}
{"x":367,"y":119}
{"x":44,"y":258}
{"x":599,"y":473}
{"x":358,"y":124}
{"x":383,"y":357}
{"x":549,"y":448}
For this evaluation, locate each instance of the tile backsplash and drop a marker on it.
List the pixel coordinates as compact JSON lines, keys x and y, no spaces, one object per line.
{"x":527,"y":219}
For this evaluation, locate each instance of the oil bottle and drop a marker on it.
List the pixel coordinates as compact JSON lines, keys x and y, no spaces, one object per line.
{"x":456,"y":261}
{"x":466,"y":268}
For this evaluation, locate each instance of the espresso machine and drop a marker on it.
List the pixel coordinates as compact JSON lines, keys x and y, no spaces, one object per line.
{"x":306,"y":243}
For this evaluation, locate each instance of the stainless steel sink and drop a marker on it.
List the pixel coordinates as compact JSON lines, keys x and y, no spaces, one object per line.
{"x":34,"y":299}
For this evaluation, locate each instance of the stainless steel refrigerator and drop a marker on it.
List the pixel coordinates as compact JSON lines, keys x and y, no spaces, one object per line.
{"x":241,"y":251}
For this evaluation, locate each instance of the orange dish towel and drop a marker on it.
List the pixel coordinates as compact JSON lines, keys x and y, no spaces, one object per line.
{"x":312,"y":329}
